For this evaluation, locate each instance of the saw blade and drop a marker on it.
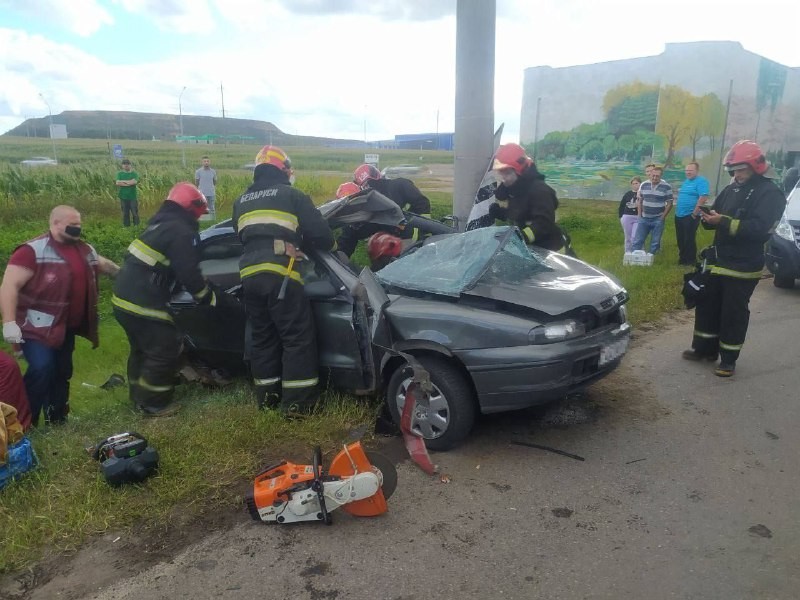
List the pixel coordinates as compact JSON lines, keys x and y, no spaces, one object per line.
{"x":387,"y":469}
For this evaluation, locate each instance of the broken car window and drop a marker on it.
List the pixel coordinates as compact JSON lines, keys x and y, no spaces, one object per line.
{"x":454,"y":263}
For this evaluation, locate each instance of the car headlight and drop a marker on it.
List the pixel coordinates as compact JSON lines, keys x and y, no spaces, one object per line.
{"x":556,"y":332}
{"x":784,"y":230}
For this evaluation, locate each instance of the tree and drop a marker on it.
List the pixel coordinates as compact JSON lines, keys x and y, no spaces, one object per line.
{"x":631,"y":106}
{"x":676,"y":111}
{"x":553,"y":145}
{"x":712,"y":118}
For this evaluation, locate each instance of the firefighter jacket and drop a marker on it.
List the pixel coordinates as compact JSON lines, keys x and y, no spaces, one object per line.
{"x":268,"y":215}
{"x":43,"y":302}
{"x":166,"y":252}
{"x":750,"y":214}
{"x":531,"y":205}
{"x":404,"y":193}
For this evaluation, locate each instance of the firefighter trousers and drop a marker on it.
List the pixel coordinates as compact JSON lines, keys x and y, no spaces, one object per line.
{"x":153,"y":361}
{"x":722,"y":316}
{"x":283,"y":356}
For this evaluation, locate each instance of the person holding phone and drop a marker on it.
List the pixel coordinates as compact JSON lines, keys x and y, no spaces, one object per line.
{"x":743,"y":217}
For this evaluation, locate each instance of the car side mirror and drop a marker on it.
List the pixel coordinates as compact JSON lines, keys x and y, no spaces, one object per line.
{"x":319,"y":290}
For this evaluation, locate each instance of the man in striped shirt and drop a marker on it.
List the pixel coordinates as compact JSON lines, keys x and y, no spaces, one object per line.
{"x":655,"y":202}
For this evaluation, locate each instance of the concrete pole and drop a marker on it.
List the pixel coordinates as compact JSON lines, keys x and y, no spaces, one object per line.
{"x":474,"y":110}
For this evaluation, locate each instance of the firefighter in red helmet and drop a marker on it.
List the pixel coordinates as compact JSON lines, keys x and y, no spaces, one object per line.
{"x":525,"y":200}
{"x":348,"y":188}
{"x":275,"y":222}
{"x":383,"y":248}
{"x":399,"y":190}
{"x":164,"y":253}
{"x":743,"y":217}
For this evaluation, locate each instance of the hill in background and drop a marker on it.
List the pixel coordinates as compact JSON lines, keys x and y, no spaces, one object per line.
{"x":125,"y":125}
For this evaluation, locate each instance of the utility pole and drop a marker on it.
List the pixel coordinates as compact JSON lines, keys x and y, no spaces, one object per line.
{"x":222,"y":100}
{"x":722,"y":141}
{"x":536,"y":126}
{"x":437,"y":130}
{"x":52,"y":139}
{"x":180,"y":121}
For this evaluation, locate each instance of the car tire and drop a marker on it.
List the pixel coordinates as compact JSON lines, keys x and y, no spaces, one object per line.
{"x":446,"y":425}
{"x":786,"y":283}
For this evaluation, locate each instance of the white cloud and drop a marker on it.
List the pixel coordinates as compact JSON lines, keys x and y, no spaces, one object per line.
{"x":175,"y":16}
{"x":82,"y":17}
{"x":317,"y":67}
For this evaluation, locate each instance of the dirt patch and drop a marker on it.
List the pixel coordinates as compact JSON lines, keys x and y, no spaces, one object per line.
{"x":112,"y":557}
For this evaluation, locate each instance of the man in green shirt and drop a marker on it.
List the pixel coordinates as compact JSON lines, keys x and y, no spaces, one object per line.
{"x":126,"y":182}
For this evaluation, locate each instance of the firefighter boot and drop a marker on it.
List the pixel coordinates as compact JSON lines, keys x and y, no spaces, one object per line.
{"x":154,"y":402}
{"x":268,"y":396}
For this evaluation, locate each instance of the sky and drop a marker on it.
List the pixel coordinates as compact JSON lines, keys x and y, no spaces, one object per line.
{"x":350,"y":69}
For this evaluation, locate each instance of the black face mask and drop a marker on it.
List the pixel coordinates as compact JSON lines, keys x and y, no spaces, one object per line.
{"x":73,"y":231}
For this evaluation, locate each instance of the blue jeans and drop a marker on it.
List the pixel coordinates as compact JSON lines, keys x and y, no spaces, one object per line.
{"x":212,"y":210}
{"x":649,"y":225}
{"x":47,"y":378}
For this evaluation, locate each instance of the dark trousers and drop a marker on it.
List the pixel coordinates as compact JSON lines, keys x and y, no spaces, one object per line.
{"x":283,"y":357}
{"x":153,"y":361}
{"x":47,"y":378}
{"x":130,"y":209}
{"x":686,"y":234}
{"x":722,"y":316}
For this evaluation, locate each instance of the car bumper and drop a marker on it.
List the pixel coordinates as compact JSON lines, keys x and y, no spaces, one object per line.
{"x":523,"y":376}
{"x":783,"y":257}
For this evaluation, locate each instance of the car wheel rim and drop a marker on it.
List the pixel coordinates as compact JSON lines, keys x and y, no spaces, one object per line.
{"x":429,"y":420}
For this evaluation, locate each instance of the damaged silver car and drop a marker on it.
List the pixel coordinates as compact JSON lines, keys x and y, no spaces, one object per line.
{"x":498,"y":326}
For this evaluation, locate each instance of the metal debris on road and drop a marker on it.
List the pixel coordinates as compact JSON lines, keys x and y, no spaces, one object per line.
{"x":548,"y":448}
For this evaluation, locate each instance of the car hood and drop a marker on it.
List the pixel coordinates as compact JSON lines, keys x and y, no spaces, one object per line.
{"x":567,"y":283}
{"x":793,"y":204}
{"x":494,"y":263}
{"x":368,"y":206}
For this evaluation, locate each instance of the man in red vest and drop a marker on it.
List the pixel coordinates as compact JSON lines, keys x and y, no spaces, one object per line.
{"x":47,"y":297}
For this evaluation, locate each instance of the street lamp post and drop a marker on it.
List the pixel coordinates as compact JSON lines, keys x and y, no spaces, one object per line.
{"x":180,"y":120}
{"x":52,"y":139}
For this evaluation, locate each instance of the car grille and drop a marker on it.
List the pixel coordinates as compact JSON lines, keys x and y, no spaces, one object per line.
{"x":796,"y":229}
{"x":592,"y":320}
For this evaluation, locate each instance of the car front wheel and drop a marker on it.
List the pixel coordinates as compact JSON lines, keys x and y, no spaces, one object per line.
{"x":786,"y":283}
{"x":447,"y":418}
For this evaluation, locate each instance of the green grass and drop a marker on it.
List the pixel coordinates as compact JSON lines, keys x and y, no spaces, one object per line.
{"x":211,"y":450}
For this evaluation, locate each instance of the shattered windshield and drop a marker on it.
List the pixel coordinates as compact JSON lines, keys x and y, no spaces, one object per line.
{"x":458,"y":262}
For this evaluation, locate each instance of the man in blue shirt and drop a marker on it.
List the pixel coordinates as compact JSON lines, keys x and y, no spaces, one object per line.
{"x":692,"y":195}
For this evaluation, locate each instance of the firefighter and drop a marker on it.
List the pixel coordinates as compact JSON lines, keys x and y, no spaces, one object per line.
{"x":524,"y":199}
{"x":274,"y":221}
{"x":399,"y":190}
{"x":744,"y":216}
{"x":382,"y":249}
{"x":346,"y":189}
{"x":165,"y":252}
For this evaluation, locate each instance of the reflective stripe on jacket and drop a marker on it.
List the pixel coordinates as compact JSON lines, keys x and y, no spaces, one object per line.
{"x":271,"y":210}
{"x":164,"y":253}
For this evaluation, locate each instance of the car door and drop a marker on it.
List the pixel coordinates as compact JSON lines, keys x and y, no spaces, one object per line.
{"x":218,"y":335}
{"x":214,"y":334}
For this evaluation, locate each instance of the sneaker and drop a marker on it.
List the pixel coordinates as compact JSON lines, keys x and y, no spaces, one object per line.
{"x":696,"y":356}
{"x":165,"y":411}
{"x":725,"y":369}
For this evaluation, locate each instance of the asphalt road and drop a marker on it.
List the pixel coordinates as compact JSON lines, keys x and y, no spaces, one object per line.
{"x":689,"y":489}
